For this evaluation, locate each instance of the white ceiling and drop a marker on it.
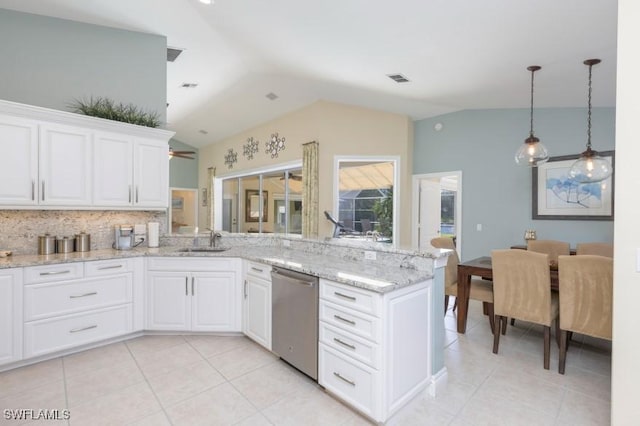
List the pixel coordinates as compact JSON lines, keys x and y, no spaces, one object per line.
{"x":458,"y":54}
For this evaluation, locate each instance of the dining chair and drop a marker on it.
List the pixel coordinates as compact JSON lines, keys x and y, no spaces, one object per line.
{"x":551,"y":247}
{"x":522,"y":290}
{"x":599,"y":249}
{"x":479,"y":289}
{"x":586,"y":298}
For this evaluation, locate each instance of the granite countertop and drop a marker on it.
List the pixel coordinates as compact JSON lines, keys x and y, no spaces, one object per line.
{"x":364,"y":274}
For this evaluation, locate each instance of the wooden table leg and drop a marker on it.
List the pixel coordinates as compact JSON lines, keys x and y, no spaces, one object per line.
{"x":464,"y":282}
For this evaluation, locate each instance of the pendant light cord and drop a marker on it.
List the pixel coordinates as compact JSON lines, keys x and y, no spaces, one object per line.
{"x":589,"y":112}
{"x":531,"y":113}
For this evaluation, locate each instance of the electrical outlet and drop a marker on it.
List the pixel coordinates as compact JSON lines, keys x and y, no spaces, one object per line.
{"x":369,"y":255}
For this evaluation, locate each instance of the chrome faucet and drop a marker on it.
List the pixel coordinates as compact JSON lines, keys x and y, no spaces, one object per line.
{"x":214,"y":237}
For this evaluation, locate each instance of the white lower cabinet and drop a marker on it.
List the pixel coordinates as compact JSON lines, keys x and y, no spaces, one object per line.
{"x":373,"y":351}
{"x":257,"y":303}
{"x":10,"y":315}
{"x":193,"y":294}
{"x":68,"y":305}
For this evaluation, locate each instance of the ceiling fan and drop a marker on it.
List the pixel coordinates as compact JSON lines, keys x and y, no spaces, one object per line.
{"x":181,"y":154}
{"x":293,"y":177}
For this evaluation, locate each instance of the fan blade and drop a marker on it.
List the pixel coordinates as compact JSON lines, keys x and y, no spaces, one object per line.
{"x":182,"y":156}
{"x":184,"y":152}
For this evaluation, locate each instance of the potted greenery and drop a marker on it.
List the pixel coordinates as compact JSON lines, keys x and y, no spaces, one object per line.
{"x":107,"y":108}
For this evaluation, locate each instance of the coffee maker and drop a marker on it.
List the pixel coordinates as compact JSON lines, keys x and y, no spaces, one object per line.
{"x":125,"y":237}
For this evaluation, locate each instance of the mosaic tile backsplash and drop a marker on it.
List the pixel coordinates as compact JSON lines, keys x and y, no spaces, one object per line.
{"x":19,"y":229}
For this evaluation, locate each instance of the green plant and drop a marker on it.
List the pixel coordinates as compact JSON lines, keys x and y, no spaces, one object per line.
{"x":106,"y":108}
{"x":383,"y":209}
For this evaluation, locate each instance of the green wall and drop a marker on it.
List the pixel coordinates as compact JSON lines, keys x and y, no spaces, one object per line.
{"x":49,"y":62}
{"x":183,"y":173}
{"x":495,"y":192}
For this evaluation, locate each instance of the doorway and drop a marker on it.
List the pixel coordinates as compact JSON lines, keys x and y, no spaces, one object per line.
{"x":183,"y":211}
{"x":437,"y":208}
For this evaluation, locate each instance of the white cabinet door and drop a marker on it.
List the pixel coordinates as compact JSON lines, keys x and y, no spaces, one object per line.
{"x":214,"y":301}
{"x":10,"y":315}
{"x":168,"y":301}
{"x":19,"y":161}
{"x":112,"y":170}
{"x":257,"y":310}
{"x":65,"y":165}
{"x":151,"y":173}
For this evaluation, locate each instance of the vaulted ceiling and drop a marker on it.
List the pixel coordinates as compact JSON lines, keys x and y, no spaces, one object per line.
{"x":456,"y":54}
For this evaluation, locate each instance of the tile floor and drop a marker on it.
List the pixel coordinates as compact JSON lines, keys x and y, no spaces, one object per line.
{"x":206,"y":380}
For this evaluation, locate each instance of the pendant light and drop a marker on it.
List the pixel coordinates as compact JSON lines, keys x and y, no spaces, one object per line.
{"x":590,"y":167}
{"x":532,"y":152}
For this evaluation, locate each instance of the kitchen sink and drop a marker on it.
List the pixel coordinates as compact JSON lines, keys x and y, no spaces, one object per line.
{"x":203,"y":249}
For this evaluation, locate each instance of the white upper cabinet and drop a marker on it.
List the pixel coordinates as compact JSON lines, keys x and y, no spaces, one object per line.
{"x":19,"y":161}
{"x":65,"y":165}
{"x":55,"y":159}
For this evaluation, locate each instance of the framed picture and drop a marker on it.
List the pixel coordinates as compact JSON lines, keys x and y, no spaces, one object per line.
{"x":557,"y":197}
{"x":252,"y":205}
{"x":177,"y":203}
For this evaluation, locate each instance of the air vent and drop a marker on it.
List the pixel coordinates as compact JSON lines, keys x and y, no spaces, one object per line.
{"x":398,"y":78}
{"x":271,"y":96}
{"x":189,"y":85}
{"x":204,"y":132}
{"x":173,"y":53}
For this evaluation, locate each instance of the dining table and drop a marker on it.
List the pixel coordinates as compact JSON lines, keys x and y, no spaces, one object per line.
{"x":481,"y":267}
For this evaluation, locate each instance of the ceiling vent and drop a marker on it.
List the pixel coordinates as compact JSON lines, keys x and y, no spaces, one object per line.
{"x":271,"y":96}
{"x":204,"y":132}
{"x":398,"y":78}
{"x":173,"y":53}
{"x":189,"y":85}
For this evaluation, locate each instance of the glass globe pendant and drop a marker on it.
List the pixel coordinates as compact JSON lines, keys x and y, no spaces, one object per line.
{"x":532,"y":152}
{"x":590,"y":167}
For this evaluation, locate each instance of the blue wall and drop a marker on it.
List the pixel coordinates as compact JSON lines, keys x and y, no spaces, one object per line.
{"x":49,"y":62}
{"x":495,"y":192}
{"x":183,"y":173}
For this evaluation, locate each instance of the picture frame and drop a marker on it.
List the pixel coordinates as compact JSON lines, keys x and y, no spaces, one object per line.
{"x":252,"y":205}
{"x":177,"y":203}
{"x":556,"y":197}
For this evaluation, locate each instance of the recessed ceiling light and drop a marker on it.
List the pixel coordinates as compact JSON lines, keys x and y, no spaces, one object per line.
{"x":189,"y":85}
{"x":271,"y":96}
{"x":398,"y":78}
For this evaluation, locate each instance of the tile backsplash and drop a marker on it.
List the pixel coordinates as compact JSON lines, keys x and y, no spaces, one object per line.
{"x":19,"y":229}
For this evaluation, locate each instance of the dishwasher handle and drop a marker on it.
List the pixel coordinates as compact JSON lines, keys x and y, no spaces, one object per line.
{"x":292,"y":280}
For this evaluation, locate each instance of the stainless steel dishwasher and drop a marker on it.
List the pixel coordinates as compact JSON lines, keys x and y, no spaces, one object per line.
{"x":294,"y":334}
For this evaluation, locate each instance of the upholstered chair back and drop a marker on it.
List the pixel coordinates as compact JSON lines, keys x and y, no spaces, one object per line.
{"x":599,"y":249}
{"x":551,"y":247}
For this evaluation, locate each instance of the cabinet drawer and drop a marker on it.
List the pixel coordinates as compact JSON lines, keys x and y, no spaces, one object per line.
{"x":185,"y":264}
{"x":259,"y":270}
{"x":350,"y":380}
{"x":55,"y":334}
{"x":353,"y":346}
{"x":100,"y":268}
{"x":49,"y":273}
{"x":354,"y":322}
{"x":354,"y":298}
{"x":46,"y":300}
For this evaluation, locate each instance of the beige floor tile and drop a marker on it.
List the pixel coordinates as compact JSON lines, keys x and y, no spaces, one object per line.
{"x":209,"y":346}
{"x":582,"y":410}
{"x":495,"y":412}
{"x":102,"y":381}
{"x":48,"y":396}
{"x":95,"y":359}
{"x":256,"y":420}
{"x":185,"y":382}
{"x":222,"y":405}
{"x":240,"y":361}
{"x":270,"y":383}
{"x":452,"y":398}
{"x":149,"y":344}
{"x":30,"y":377}
{"x":157,"y":419}
{"x":421,"y":413}
{"x":126,"y":406}
{"x":167,"y":360}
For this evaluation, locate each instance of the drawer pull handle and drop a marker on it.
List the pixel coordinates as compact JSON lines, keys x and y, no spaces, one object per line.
{"x":110,"y":267}
{"x":55,"y":272}
{"x":339,"y":376}
{"x":186,"y":286}
{"x":76,"y":330}
{"x":335,"y":339}
{"x":253,"y":268}
{"x":345,"y":296}
{"x":83,"y":295}
{"x":193,"y":291}
{"x":338,"y":317}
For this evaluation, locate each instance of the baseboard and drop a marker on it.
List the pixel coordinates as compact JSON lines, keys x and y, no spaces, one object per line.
{"x":438,"y":382}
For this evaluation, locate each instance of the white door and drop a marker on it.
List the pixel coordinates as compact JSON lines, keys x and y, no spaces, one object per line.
{"x":19,"y":161}
{"x":429,"y":211}
{"x":151,"y":174}
{"x":65,"y":166}
{"x":214,"y":301}
{"x":112,"y":170}
{"x":10,"y":315}
{"x":168,"y":301}
{"x":257,"y":310}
